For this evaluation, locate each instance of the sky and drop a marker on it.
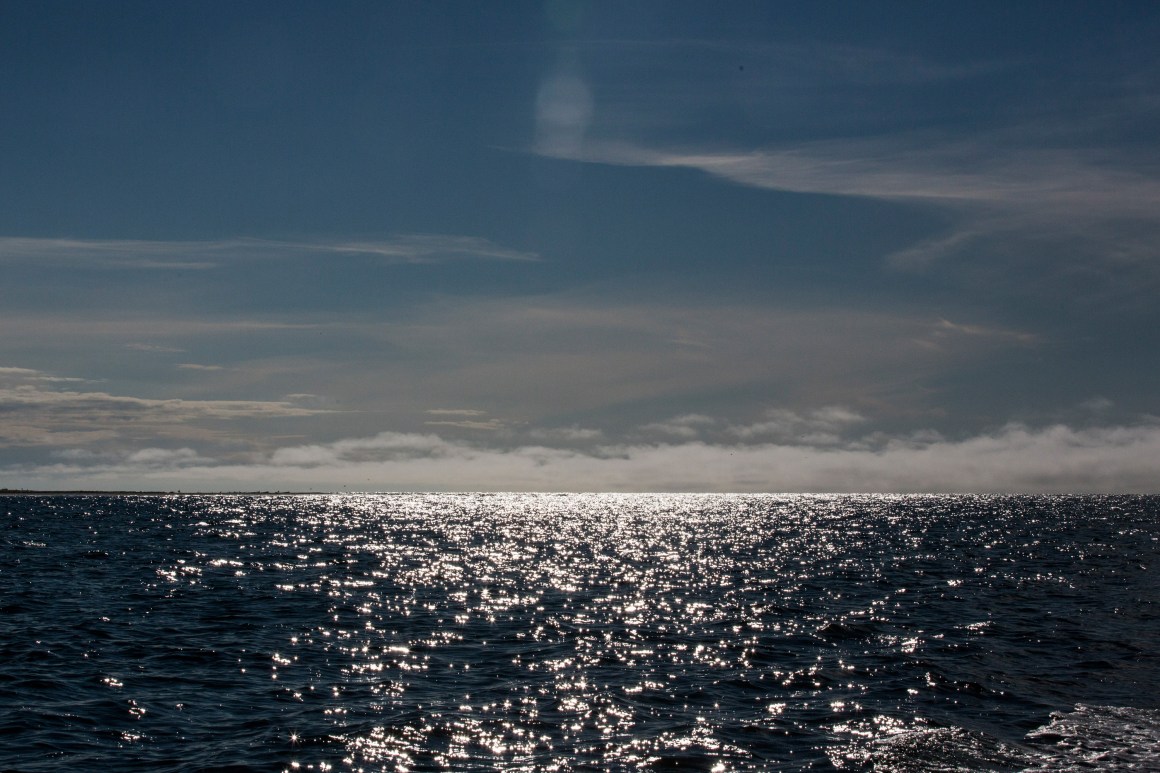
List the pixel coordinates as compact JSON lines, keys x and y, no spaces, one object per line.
{"x":580,"y":246}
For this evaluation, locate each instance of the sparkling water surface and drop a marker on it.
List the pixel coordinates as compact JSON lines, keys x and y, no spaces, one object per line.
{"x":579,"y":632}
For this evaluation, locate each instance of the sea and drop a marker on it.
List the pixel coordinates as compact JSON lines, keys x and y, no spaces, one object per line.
{"x":579,"y":632}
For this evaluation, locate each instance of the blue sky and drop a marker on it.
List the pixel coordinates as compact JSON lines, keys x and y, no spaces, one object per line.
{"x":580,"y":246}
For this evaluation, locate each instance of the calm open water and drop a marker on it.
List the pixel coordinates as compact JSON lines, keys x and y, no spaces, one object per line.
{"x":579,"y":632}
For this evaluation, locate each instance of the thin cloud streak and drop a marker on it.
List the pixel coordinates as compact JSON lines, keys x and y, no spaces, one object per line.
{"x":19,"y":398}
{"x":37,"y":416}
{"x":1013,"y":204}
{"x":947,"y":171}
{"x":489,"y":425}
{"x":1048,"y":186}
{"x":200,"y":255}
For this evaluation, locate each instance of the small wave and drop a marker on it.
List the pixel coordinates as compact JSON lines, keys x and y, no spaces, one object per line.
{"x":921,"y":749}
{"x":1106,"y":738}
{"x":586,"y":632}
{"x":1101,"y":737}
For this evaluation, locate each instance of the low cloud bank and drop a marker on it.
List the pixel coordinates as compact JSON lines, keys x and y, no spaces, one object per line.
{"x":1016,"y":459}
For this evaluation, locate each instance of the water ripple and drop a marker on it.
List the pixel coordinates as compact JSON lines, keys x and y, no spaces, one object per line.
{"x":576,"y":632}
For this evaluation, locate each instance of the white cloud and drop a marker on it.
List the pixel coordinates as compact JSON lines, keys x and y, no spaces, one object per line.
{"x":24,"y":375}
{"x":687,"y":426}
{"x":384,"y":447}
{"x":821,"y":427}
{"x":163,"y":458}
{"x":573,"y":434}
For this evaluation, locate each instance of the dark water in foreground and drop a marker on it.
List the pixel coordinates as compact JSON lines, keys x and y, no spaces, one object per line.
{"x":579,"y":632}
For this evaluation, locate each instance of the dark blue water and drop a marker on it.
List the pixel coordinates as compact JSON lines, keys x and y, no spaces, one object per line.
{"x":579,"y":632}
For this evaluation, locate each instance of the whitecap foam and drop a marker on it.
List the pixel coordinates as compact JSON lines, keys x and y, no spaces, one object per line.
{"x":1106,"y":738}
{"x":922,"y":749}
{"x":1099,"y":737}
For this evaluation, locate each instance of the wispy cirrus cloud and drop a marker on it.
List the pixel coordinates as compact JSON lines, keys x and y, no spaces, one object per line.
{"x":201,"y":255}
{"x":28,"y":397}
{"x":946,"y":169}
{"x":30,"y":375}
{"x":424,"y":248}
{"x":34,"y":413}
{"x":1063,"y":150}
{"x":1048,"y":184}
{"x":1088,"y":219}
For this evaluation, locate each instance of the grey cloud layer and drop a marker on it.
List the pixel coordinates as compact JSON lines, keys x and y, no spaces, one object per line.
{"x":515,"y":363}
{"x":1014,"y":459}
{"x":830,"y":447}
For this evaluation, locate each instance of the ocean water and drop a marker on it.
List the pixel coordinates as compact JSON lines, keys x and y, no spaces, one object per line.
{"x":579,"y":632}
